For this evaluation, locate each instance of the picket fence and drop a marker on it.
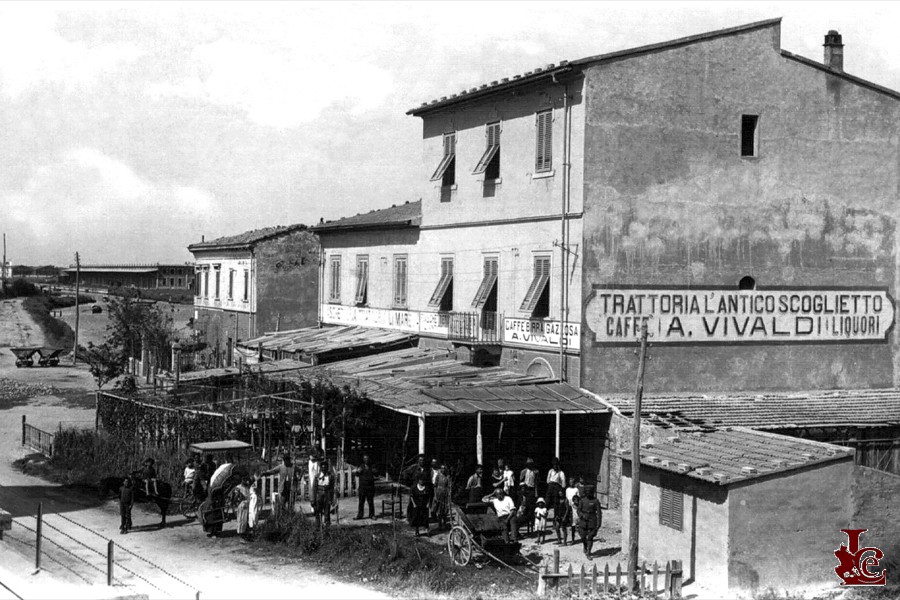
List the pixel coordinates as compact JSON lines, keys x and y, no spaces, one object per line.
{"x":345,"y":485}
{"x":594,"y":584}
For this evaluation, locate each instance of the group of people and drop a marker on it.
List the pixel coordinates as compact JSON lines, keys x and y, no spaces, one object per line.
{"x":146,"y":477}
{"x":515,"y":500}
{"x":430,"y":494}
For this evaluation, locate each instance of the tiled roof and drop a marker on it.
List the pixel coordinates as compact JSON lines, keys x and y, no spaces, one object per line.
{"x":551,"y":70}
{"x":398,"y":215}
{"x":248,"y":238}
{"x":833,"y":408}
{"x":733,"y":454}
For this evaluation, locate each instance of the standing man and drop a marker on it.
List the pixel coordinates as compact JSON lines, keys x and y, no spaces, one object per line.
{"x":412,"y":473}
{"x":286,"y":477}
{"x":366,"y":478}
{"x":324,"y":490}
{"x":126,"y":501}
{"x":589,"y":519}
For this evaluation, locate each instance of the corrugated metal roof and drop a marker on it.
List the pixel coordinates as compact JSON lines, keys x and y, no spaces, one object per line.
{"x":316,"y":341}
{"x":409,"y":214}
{"x":247,"y":238}
{"x":729,"y":455}
{"x":828,"y":408}
{"x":433,"y":382}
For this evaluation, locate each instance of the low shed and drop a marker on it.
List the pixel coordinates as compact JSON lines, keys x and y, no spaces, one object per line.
{"x":743,"y":510}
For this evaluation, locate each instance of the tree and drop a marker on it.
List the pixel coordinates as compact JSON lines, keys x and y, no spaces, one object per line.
{"x":133,"y":323}
{"x":105,"y":362}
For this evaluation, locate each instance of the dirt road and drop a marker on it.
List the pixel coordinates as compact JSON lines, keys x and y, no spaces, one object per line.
{"x":172,"y":563}
{"x":17,"y":328}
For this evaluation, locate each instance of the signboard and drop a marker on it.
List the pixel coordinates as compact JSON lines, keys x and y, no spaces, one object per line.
{"x":700,"y":316}
{"x":542,"y":334}
{"x":401,"y":320}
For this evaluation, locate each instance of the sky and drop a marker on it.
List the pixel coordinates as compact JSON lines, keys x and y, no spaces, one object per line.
{"x":130,"y":130}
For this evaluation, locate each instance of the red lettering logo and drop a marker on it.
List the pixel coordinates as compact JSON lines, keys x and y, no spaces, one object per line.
{"x":858,"y":566}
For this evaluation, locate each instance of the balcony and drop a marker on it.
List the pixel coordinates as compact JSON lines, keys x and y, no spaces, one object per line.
{"x":476,"y":328}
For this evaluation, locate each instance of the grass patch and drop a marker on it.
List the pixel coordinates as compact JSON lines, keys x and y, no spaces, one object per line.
{"x":82,"y":457}
{"x":57,"y":333}
{"x":387,"y":556}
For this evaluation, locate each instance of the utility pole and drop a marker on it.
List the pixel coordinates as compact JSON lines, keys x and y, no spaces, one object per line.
{"x":77,"y":291}
{"x":634,"y":522}
{"x":3,"y":268}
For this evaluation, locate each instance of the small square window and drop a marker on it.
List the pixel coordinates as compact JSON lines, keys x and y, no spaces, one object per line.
{"x":749,"y":135}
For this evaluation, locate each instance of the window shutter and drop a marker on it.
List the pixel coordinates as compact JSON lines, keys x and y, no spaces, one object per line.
{"x":538,"y":283}
{"x":443,"y":283}
{"x":544,"y":142}
{"x":487,"y":282}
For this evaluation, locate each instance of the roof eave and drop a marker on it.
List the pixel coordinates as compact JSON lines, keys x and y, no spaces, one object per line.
{"x":360,"y":227}
{"x":489,"y":90}
{"x":851,"y":78}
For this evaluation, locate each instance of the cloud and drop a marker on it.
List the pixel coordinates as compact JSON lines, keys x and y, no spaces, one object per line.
{"x":33,"y":53}
{"x":90,"y":201}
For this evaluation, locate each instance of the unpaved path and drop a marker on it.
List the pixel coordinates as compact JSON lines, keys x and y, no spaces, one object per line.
{"x":17,"y":328}
{"x":78,"y":525}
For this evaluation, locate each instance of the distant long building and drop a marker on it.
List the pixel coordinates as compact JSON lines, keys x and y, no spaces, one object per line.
{"x":145,"y":276}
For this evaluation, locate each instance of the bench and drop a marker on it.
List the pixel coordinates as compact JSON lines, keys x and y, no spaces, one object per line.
{"x":5,"y":522}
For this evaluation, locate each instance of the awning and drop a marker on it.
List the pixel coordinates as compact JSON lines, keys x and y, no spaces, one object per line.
{"x":325,"y":344}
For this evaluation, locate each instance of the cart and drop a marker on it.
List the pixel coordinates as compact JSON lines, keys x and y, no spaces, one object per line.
{"x":49,"y":357}
{"x":24,"y":355}
{"x":476,"y":528}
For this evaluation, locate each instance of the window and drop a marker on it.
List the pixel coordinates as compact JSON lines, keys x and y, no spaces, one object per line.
{"x":446,"y":171}
{"x":490,"y":160}
{"x":749,"y":135}
{"x":747,"y":283}
{"x":246,"y":285}
{"x":537,"y":299}
{"x":543,"y":154}
{"x":218,"y":278}
{"x":335,"y":289}
{"x":362,"y":279}
{"x":442,"y":298}
{"x":488,"y":285}
{"x":671,"y":505}
{"x":230,"y":284}
{"x":400,"y":281}
{"x":180,"y":279}
{"x":206,"y":283}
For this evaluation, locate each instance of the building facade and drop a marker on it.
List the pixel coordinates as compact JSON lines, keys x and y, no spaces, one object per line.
{"x":138,"y":276}
{"x":255,"y":282}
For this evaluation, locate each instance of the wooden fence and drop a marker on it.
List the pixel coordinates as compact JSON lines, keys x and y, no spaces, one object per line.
{"x":345,"y":485}
{"x":37,"y":439}
{"x":656,"y":582}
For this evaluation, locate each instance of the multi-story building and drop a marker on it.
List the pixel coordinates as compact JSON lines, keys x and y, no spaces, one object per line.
{"x":254,"y":282}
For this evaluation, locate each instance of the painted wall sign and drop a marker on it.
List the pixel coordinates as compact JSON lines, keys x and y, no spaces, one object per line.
{"x":543,"y":334}
{"x":725,"y":316}
{"x":402,"y":320}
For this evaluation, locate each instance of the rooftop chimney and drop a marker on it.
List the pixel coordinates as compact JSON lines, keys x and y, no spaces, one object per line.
{"x":202,"y":238}
{"x":834,"y":51}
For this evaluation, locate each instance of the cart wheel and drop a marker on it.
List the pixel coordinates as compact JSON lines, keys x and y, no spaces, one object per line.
{"x":188,"y":507}
{"x":459,"y":546}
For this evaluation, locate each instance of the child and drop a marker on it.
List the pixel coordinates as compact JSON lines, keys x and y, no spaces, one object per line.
{"x":572,"y":497}
{"x":126,"y":501}
{"x":562,"y":521}
{"x":190,"y":474}
{"x":540,"y":520}
{"x":148,"y":473}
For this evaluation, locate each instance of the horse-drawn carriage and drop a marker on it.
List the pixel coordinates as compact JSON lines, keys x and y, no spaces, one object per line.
{"x":238,"y":457}
{"x":47,"y":357}
{"x":477,"y":527}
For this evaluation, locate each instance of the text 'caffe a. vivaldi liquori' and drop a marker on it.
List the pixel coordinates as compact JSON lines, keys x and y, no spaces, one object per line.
{"x":729,"y":316}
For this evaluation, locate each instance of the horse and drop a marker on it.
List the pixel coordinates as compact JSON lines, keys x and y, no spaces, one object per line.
{"x":162,"y":499}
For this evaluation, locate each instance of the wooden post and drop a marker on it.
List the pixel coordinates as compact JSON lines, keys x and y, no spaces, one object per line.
{"x":581,"y":582}
{"x":655,"y":578}
{"x":643,"y":582}
{"x":594,"y":579}
{"x":618,"y":578}
{"x":677,"y":578}
{"x":542,"y":581}
{"x":110,"y":561}
{"x":606,"y":578}
{"x":422,"y":433}
{"x":555,"y":580}
{"x":569,"y":578}
{"x":323,"y":430}
{"x":668,"y":581}
{"x":556,"y":438}
{"x":479,"y":446}
{"x":634,"y":521}
{"x":77,"y":289}
{"x":23,"y":429}
{"x":39,"y":535}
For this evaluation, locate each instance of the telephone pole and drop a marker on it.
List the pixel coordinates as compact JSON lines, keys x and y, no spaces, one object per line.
{"x":634,"y":522}
{"x":3,"y":268}
{"x":77,"y":291}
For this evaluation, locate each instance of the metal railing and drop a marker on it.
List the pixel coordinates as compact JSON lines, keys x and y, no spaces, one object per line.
{"x":37,"y":439}
{"x":483,"y":327}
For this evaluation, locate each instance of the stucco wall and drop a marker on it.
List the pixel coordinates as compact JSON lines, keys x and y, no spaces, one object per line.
{"x":670,"y":201}
{"x":218,"y":326}
{"x":520,"y":194}
{"x":783,"y":530}
{"x":287,"y":271}
{"x":702,"y":544}
{"x":236,"y":261}
{"x":876,"y":508}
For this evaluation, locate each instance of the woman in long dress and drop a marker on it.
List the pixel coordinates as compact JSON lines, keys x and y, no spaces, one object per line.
{"x":254,"y":508}
{"x":242,"y":495}
{"x":419,"y":504}
{"x":441,"y":504}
